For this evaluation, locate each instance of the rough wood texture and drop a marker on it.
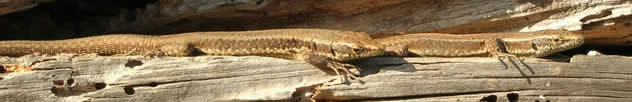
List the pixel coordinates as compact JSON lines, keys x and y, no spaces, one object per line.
{"x":221,"y":78}
{"x":604,"y":22}
{"x":167,"y":79}
{"x":251,"y":78}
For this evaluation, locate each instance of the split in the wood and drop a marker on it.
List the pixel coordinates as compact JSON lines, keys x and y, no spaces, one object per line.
{"x":9,"y":68}
{"x":129,"y":90}
{"x":490,"y":98}
{"x":133,"y":63}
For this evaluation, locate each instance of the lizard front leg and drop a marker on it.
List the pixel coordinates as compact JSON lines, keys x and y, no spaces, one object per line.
{"x":498,"y":48}
{"x":502,"y":51}
{"x":327,"y":65}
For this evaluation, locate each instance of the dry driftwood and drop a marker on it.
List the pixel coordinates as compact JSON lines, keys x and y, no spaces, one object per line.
{"x":604,"y":22}
{"x":252,"y":78}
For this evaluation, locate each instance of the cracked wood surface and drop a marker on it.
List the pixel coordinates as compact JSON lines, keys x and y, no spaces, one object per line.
{"x":251,"y":78}
{"x":603,"y":22}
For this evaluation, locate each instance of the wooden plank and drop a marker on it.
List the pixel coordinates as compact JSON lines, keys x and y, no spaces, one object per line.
{"x":584,"y":78}
{"x":205,"y":78}
{"x":251,"y":78}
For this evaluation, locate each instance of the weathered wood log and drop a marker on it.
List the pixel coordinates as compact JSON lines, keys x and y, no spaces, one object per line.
{"x":584,"y":78}
{"x":251,"y":78}
{"x":604,"y":22}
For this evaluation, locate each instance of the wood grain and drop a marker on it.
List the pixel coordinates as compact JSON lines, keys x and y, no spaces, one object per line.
{"x":251,"y":78}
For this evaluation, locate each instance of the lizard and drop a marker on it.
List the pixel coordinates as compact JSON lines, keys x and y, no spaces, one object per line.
{"x":324,"y":49}
{"x":519,"y":44}
{"x":506,"y":44}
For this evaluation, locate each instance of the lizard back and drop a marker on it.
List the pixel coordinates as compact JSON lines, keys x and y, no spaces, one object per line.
{"x":104,"y":45}
{"x":528,"y":44}
{"x":283,"y":43}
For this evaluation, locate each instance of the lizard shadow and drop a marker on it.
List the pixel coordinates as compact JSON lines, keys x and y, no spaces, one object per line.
{"x":516,"y":62}
{"x":374,"y":65}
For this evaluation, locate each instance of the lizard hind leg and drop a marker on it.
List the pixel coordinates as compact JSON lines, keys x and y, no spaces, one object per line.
{"x":173,"y":49}
{"x":178,"y":49}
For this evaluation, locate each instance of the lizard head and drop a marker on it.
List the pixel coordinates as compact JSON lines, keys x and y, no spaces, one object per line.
{"x":555,"y":41}
{"x":355,"y":46}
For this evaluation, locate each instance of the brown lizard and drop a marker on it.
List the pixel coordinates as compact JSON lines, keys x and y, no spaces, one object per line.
{"x":524,"y":44}
{"x":509,"y":45}
{"x":319,"y":47}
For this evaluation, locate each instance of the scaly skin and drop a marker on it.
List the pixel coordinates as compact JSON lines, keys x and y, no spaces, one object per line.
{"x":499,"y":45}
{"x":322,"y":48}
{"x":526,"y":44}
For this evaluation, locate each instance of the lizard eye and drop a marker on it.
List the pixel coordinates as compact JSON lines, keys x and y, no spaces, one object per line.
{"x":556,"y":40}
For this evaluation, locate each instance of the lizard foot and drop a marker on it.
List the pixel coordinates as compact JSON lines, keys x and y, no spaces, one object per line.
{"x":346,"y":72}
{"x":342,"y":70}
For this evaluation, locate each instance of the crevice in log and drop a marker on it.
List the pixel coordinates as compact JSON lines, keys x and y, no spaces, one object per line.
{"x":595,"y":96}
{"x":41,"y":61}
{"x":432,"y":63}
{"x":150,"y":84}
{"x":129,"y":90}
{"x":603,"y":13}
{"x":2,"y":69}
{"x":513,"y":97}
{"x":551,"y":77}
{"x":304,"y":94}
{"x":604,"y":49}
{"x":133,"y":63}
{"x":177,"y":81}
{"x":9,"y":68}
{"x":602,"y":23}
{"x":434,"y":95}
{"x":490,"y":98}
{"x":616,"y":73}
{"x":100,"y":85}
{"x":55,"y":68}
